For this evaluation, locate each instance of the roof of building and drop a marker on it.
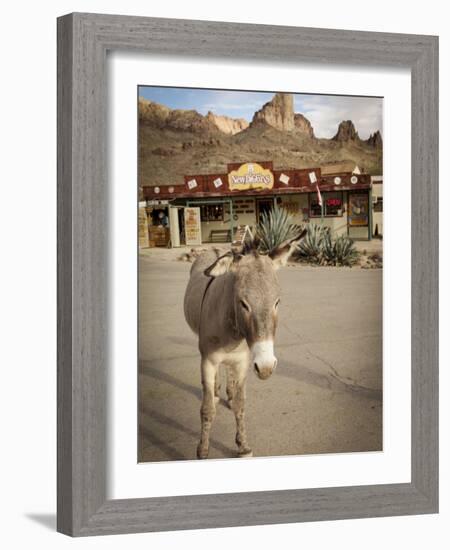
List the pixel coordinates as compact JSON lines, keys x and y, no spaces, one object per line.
{"x":340,"y":167}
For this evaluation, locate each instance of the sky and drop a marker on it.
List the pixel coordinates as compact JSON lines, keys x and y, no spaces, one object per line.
{"x":325,"y":112}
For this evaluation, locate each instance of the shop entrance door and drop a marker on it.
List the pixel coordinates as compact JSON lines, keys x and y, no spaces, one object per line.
{"x":263,"y":205}
{"x":359,"y":215}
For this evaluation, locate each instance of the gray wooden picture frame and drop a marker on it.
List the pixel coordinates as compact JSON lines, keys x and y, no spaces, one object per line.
{"x":83,"y":42}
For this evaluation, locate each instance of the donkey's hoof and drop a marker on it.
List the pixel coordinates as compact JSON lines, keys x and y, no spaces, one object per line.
{"x":202,"y":452}
{"x":245,"y":453}
{"x":230,"y":403}
{"x":216,"y":399}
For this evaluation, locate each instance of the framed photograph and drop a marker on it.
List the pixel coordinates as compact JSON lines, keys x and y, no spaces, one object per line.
{"x":247,"y":274}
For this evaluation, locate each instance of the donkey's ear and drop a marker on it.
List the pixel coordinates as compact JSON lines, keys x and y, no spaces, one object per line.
{"x":281,"y":254}
{"x":220,"y":266}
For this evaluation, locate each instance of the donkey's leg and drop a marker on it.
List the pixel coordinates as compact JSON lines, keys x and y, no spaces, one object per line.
{"x":217,"y":386}
{"x":238,"y":406}
{"x":230,"y":386}
{"x":208,"y":408}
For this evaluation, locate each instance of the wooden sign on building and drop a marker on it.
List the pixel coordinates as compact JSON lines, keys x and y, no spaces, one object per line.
{"x":143,"y":228}
{"x":192,"y":225}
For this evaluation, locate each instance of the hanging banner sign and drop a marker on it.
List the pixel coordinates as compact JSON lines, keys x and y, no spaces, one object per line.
{"x":192,"y":225}
{"x":358,"y":209}
{"x":250,"y":176}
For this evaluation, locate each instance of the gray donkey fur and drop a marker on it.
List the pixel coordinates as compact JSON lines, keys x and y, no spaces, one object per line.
{"x":231,"y":303}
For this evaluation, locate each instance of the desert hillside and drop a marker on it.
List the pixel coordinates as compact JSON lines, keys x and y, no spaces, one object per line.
{"x":174,"y":142}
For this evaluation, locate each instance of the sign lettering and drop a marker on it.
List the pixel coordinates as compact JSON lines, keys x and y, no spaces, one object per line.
{"x":250,"y":176}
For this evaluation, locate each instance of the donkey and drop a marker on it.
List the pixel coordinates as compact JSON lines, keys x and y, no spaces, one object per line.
{"x":231,"y":303}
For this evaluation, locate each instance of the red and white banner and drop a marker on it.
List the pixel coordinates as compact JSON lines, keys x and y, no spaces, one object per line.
{"x":319,"y":196}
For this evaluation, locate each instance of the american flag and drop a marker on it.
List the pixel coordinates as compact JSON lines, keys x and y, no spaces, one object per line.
{"x":319,"y":196}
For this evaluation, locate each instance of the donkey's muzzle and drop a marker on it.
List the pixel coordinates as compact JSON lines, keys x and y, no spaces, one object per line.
{"x":263,"y":372}
{"x":263,"y":358}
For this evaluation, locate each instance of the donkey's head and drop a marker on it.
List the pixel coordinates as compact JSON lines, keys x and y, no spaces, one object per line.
{"x":256,"y":296}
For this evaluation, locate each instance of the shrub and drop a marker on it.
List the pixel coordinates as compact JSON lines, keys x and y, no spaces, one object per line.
{"x":341,"y":252}
{"x":345,"y":251}
{"x":318,"y":247}
{"x":328,"y":249}
{"x":311,"y":247}
{"x":275,"y":228}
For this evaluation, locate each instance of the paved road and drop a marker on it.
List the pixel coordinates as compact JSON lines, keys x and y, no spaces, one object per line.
{"x":325,"y":396}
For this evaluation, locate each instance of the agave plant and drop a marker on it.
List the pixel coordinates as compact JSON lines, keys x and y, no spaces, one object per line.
{"x":274,"y":228}
{"x":328,"y":249}
{"x":345,"y":251}
{"x":310,"y":248}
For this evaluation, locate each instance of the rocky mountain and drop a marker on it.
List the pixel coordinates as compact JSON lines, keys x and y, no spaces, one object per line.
{"x":176,"y":142}
{"x":160,"y":116}
{"x":302,"y":125}
{"x":278,"y":113}
{"x":375,"y":140}
{"x":346,"y":132}
{"x":226,"y":124}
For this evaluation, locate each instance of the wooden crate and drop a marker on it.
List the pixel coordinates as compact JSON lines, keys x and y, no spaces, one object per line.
{"x":159,"y":235}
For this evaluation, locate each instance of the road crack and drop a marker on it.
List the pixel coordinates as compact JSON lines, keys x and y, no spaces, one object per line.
{"x":347,"y":382}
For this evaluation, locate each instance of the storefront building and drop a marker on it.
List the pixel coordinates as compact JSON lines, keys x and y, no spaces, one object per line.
{"x":210,"y":207}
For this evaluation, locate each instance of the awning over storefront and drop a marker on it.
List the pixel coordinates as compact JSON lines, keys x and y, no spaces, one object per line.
{"x":257,"y":178}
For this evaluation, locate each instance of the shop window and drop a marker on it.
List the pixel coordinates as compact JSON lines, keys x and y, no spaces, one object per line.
{"x":378,"y":206}
{"x":158,"y":216}
{"x":332,"y":205}
{"x":211,"y":213}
